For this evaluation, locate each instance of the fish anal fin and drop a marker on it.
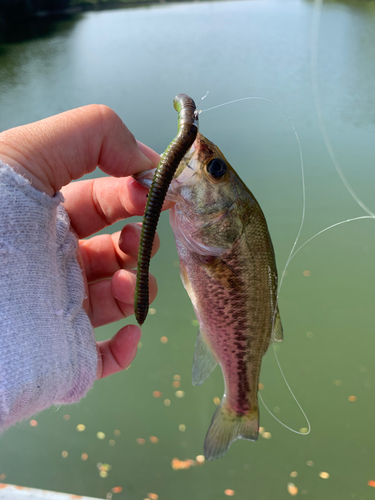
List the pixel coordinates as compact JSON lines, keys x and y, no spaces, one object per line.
{"x":227,"y":426}
{"x":277,"y":333}
{"x":204,"y":361}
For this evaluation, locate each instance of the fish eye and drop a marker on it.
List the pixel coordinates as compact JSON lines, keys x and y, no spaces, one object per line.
{"x":217,"y":168}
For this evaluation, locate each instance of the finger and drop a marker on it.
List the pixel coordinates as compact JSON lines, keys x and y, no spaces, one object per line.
{"x":150,"y":153}
{"x":112,"y":300}
{"x":97,"y":203}
{"x":106,"y":254}
{"x":53,"y":152}
{"x":117,"y":353}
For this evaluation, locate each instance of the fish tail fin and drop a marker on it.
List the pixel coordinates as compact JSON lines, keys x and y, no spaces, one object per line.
{"x":227,"y":426}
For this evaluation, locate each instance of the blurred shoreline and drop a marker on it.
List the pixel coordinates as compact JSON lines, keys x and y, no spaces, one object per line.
{"x":22,"y":10}
{"x":22,"y":20}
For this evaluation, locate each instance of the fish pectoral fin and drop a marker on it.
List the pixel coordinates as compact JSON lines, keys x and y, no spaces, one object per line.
{"x":204,"y":361}
{"x":227,"y":426}
{"x":277,"y":333}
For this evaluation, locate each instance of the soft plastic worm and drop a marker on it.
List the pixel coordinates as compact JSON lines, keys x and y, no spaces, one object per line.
{"x":187,"y":132}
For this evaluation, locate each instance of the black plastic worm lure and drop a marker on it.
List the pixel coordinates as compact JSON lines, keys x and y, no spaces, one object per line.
{"x":187,"y":132}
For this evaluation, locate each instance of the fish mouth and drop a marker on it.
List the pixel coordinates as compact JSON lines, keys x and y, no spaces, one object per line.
{"x":188,"y":167}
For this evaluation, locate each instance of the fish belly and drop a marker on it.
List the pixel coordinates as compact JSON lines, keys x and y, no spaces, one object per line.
{"x":232,"y":303}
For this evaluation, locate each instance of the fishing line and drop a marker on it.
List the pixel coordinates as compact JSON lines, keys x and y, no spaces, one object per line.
{"x":315,"y":87}
{"x":330,"y":227}
{"x":291,"y":254}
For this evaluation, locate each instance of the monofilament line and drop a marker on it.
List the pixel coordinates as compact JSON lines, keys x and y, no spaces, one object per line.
{"x":315,"y":88}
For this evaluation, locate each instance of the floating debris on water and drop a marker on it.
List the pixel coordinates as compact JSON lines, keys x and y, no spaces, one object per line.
{"x":310,"y":335}
{"x":117,"y":489}
{"x":294,"y":474}
{"x":180,"y":394}
{"x":116,"y":432}
{"x":152,"y":496}
{"x":100,"y":435}
{"x":140,"y":345}
{"x":154,"y":439}
{"x":167,"y":402}
{"x":352,"y":398}
{"x":310,"y":463}
{"x":200,"y":459}
{"x":217,"y":401}
{"x":182,"y":427}
{"x":182,"y":464}
{"x":195,"y":322}
{"x":370,"y":483}
{"x":103,"y":469}
{"x":152,"y":310}
{"x":112,"y":442}
{"x":324,"y":475}
{"x":229,"y":493}
{"x":261,"y":430}
{"x":84,"y":456}
{"x":337,"y":382}
{"x":177,"y":377}
{"x":304,"y":430}
{"x":140,"y":441}
{"x":2,"y":477}
{"x":292,"y":489}
{"x":109,"y":496}
{"x":307,"y":273}
{"x":156,"y":394}
{"x":277,"y":409}
{"x":80,"y":427}
{"x":260,"y":386}
{"x":33,"y":423}
{"x":163,"y":340}
{"x":267,"y":435}
{"x":64,"y":454}
{"x":176,"y":384}
{"x":66,"y":417}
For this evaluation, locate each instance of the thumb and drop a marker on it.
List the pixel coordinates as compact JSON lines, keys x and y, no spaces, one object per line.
{"x":54,"y":151}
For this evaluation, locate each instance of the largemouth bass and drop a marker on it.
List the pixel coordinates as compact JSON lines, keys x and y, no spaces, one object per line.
{"x":228,"y":268}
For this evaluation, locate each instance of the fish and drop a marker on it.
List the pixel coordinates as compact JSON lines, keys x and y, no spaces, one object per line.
{"x":228,"y":268}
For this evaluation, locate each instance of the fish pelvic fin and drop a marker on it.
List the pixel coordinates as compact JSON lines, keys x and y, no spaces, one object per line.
{"x":227,"y":426}
{"x":204,"y":361}
{"x":277,"y":334}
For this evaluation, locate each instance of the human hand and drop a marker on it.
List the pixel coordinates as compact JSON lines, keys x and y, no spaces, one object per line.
{"x":53,"y":152}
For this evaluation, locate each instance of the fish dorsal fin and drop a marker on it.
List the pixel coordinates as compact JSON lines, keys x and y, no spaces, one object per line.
{"x":204,"y":361}
{"x":277,"y":333}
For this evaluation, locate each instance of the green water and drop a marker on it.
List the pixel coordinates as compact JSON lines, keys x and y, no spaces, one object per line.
{"x":136,"y":61}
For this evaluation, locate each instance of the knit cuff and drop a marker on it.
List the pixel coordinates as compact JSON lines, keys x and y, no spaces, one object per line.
{"x":47,"y":346}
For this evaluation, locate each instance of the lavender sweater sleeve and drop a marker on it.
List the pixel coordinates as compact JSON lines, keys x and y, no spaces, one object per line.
{"x":47,"y":347}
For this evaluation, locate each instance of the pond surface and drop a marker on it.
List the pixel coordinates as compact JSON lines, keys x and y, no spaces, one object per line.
{"x":136,"y":61}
